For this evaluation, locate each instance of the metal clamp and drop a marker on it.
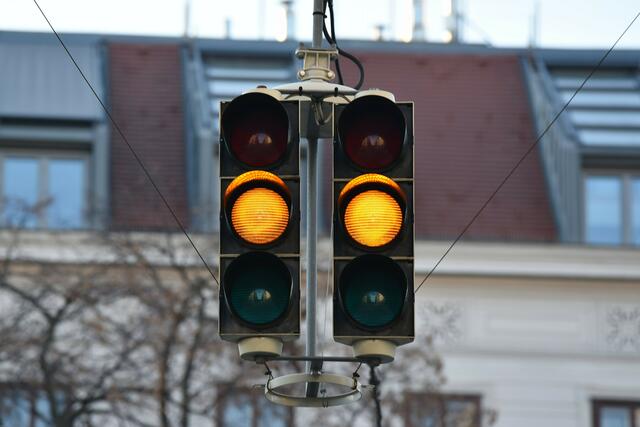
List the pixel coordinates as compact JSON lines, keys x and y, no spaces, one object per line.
{"x":316,"y":63}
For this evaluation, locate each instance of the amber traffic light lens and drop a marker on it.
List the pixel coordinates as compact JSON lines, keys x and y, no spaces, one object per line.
{"x":373,"y":218}
{"x":372,"y":207}
{"x":256,"y":129}
{"x":260,"y":216}
{"x":258,"y":207}
{"x":372,"y":131}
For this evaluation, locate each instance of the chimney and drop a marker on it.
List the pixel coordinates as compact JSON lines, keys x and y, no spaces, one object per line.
{"x":454,"y":21}
{"x":418,"y":34}
{"x":187,"y":18}
{"x":288,"y":8}
{"x":378,"y":32}
{"x":227,"y":28}
{"x":535,"y":25}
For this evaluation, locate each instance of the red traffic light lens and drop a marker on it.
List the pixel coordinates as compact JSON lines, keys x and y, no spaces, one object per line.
{"x":255,"y":128}
{"x":372,"y":130}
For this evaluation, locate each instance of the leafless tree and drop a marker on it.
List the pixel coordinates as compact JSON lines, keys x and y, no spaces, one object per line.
{"x":127,"y":338}
{"x":120,"y":329}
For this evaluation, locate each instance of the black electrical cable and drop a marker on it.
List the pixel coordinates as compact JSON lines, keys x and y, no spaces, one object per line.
{"x":331,"y":38}
{"x":337,"y":60}
{"x":375,"y":382}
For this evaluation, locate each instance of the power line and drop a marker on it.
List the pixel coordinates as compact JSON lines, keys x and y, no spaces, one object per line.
{"x":126,"y":141}
{"x":526,"y":154}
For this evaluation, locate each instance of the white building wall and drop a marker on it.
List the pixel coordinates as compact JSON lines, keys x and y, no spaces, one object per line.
{"x":537,"y":349}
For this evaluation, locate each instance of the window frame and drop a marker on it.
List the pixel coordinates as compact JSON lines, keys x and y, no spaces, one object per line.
{"x":43,"y":158}
{"x":31,"y":394}
{"x":64,"y":135}
{"x":441,"y":399}
{"x":215,"y":65}
{"x":598,"y":404}
{"x":626,"y":176}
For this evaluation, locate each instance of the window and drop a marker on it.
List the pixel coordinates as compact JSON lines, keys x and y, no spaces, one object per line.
{"x":242,"y":408}
{"x":43,"y":189}
{"x":635,"y":210}
{"x":612,"y":208}
{"x":442,"y":410}
{"x":24,"y":407}
{"x":214,"y":77}
{"x":605,"y":113}
{"x":616,"y":414}
{"x":228,"y":77}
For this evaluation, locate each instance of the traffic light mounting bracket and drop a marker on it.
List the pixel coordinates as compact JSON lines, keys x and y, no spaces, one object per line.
{"x":316,"y":63}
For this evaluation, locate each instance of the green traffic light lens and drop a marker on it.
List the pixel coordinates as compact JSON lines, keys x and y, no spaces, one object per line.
{"x":373,"y":290}
{"x":258,"y":287}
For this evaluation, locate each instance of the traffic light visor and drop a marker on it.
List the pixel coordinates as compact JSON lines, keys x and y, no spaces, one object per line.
{"x":372,"y":131}
{"x":258,"y":287}
{"x":258,"y":206}
{"x":255,"y":127}
{"x":373,"y":289}
{"x":372,"y":210}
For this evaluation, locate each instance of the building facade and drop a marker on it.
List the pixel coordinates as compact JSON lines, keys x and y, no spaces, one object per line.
{"x":536,"y":311}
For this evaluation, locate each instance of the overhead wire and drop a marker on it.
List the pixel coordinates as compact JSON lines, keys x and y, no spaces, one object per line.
{"x":128,"y":144}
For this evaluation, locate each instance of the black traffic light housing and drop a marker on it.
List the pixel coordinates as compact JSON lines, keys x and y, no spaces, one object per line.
{"x":259,"y":180}
{"x":373,"y":300}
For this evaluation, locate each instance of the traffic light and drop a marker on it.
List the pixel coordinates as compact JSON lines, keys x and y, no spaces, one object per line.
{"x":259,"y":223}
{"x":373,"y":243}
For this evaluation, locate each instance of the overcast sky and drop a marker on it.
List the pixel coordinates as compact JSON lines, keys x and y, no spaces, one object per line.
{"x":562,"y":23}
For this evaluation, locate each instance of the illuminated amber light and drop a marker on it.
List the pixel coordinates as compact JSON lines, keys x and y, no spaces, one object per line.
{"x":373,"y":214}
{"x":373,"y":218}
{"x":260,"y":215}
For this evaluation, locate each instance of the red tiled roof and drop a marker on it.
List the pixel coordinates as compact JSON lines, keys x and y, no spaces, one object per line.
{"x":145,"y":83}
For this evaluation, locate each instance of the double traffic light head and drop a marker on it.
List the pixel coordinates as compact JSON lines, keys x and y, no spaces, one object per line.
{"x":373,"y":225}
{"x":372,"y":213}
{"x":259,"y":223}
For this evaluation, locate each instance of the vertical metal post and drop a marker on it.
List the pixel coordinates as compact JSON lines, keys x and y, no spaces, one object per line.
{"x":312,"y":204}
{"x":318,"y":20}
{"x":312,"y":151}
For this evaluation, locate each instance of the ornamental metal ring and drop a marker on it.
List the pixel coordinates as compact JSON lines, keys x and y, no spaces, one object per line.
{"x":353,"y":395}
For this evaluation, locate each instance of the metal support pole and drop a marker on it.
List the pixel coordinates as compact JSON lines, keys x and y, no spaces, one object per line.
{"x":312,"y":154}
{"x":318,"y":20}
{"x":312,"y":204}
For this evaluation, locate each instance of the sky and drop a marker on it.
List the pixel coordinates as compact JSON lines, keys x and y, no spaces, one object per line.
{"x":504,"y":23}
